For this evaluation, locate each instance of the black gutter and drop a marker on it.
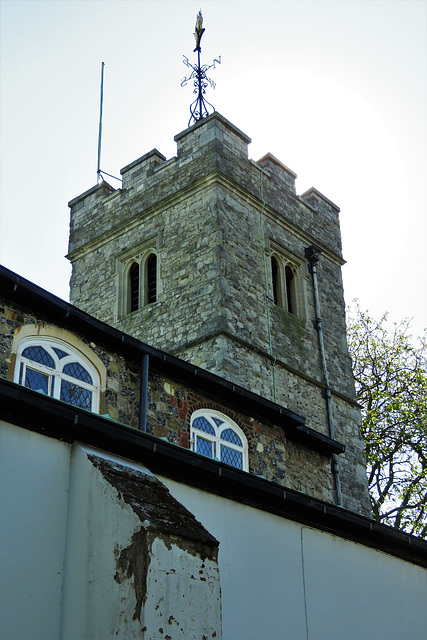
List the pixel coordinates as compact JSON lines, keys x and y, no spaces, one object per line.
{"x":37,"y":412}
{"x":36,"y":300}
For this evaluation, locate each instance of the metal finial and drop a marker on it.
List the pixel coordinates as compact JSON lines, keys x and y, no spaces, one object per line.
{"x":199,"y":108}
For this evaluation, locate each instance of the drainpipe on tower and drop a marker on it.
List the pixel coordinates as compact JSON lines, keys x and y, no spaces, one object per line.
{"x":143,"y":397}
{"x":313,"y":254}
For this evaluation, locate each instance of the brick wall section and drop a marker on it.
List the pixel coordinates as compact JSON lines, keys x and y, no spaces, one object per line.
{"x":271,"y":454}
{"x":203,"y":208}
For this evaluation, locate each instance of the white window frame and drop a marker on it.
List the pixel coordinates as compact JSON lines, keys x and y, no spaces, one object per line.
{"x":216,"y":439}
{"x":22,"y":364}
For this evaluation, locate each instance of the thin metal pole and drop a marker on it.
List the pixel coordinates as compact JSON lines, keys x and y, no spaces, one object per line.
{"x":199,"y":72}
{"x":98,"y":173}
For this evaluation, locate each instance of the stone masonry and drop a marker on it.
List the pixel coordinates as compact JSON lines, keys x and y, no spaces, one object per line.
{"x":214,"y":218}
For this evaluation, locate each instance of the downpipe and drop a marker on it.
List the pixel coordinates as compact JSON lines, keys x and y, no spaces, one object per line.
{"x":143,"y":396}
{"x":313,"y":254}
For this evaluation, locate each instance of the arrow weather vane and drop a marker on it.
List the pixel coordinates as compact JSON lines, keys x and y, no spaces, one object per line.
{"x":198,"y":108}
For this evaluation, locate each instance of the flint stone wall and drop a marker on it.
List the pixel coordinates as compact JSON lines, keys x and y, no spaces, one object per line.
{"x":170,"y":406}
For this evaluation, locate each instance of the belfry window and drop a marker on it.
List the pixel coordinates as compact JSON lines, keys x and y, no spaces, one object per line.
{"x":277,"y":279}
{"x":288,"y":286}
{"x":151,"y":278}
{"x":56,"y":370}
{"x":134,"y":287}
{"x":137,"y":280}
{"x":216,"y":436}
{"x":290,"y":289}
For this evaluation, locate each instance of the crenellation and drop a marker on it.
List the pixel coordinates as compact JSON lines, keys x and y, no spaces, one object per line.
{"x":280,"y":173}
{"x":136,"y":172}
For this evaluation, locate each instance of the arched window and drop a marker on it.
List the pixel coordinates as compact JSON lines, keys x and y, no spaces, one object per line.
{"x":290,"y":289}
{"x":59,"y":371}
{"x":137,"y":278}
{"x":216,"y":436}
{"x":134,"y":287}
{"x":277,"y":278}
{"x":151,"y":279}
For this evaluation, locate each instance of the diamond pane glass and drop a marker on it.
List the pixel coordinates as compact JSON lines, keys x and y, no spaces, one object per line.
{"x":76,"y":395}
{"x":229,"y":435}
{"x":75,"y":370}
{"x":204,"y":447}
{"x":60,"y":353}
{"x":203,"y":425}
{"x":231,"y":457}
{"x":217,"y":421}
{"x":40,"y":355}
{"x":37,"y":380}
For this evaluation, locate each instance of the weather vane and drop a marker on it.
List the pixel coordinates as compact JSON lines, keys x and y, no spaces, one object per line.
{"x":199,"y":108}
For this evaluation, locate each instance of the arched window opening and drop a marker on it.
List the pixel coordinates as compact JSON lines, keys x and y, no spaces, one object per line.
{"x":151,"y":278}
{"x":290,"y":284}
{"x":275,"y":278}
{"x":134,"y":287}
{"x":56,"y":370}
{"x":216,"y":436}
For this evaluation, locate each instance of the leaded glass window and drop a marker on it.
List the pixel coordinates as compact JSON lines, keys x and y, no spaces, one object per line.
{"x":217,"y":436}
{"x":231,"y":456}
{"x":203,"y":425}
{"x":57,"y":370}
{"x":40,"y":355}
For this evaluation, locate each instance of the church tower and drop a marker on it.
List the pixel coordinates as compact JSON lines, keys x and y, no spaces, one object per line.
{"x":214,"y":258}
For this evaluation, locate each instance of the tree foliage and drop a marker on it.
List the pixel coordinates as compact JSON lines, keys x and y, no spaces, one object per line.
{"x":391,"y":385}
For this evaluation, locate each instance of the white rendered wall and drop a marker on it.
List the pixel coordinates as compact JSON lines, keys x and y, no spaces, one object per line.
{"x":34,"y":473}
{"x":284,"y":581}
{"x":183,"y":592}
{"x":279,"y":580}
{"x":64,"y":527}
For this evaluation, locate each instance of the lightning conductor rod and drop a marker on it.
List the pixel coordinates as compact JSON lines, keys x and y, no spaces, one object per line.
{"x":98,"y":173}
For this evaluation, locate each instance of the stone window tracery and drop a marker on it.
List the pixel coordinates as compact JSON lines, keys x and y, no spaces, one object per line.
{"x":137,"y":279}
{"x":216,"y":436}
{"x":288,"y":284}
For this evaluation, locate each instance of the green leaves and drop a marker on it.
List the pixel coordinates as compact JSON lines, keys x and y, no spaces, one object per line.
{"x":390,"y":372}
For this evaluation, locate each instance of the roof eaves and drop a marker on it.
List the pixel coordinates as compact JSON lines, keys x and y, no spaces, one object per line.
{"x":29,"y":409}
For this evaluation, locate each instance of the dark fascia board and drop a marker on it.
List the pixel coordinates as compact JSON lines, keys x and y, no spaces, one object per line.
{"x":34,"y":411}
{"x":35,"y":299}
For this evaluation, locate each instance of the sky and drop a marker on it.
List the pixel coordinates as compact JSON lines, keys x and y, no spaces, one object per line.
{"x":336,"y":90}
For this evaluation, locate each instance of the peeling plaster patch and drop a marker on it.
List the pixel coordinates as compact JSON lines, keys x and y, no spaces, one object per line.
{"x":156,"y":508}
{"x":134,"y":561}
{"x":171,"y":553}
{"x":196,"y":549}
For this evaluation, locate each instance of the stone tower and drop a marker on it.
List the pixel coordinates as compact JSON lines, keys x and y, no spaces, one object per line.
{"x":214,"y":258}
